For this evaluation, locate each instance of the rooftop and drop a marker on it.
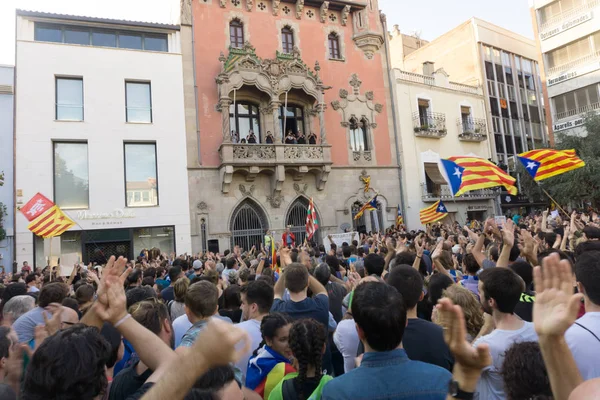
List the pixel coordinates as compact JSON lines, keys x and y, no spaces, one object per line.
{"x":80,"y":18}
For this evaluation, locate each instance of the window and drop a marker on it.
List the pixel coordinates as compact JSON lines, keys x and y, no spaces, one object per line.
{"x":571,"y":52}
{"x":71,"y":179}
{"x":138,"y":102}
{"x":236,"y":33}
{"x":287,"y":39}
{"x":48,"y":33}
{"x":100,"y":37}
{"x":293,"y":121}
{"x":69,"y":99}
{"x":358,"y":135}
{"x":576,"y":102}
{"x":424,"y":112}
{"x":104,"y":38}
{"x":334,"y":46}
{"x":243,"y":118}
{"x":140,"y":175}
{"x":468,"y":125}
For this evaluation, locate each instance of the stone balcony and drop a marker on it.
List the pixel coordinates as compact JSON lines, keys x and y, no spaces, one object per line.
{"x":445,"y":194}
{"x":472,"y":129}
{"x":275,"y":160}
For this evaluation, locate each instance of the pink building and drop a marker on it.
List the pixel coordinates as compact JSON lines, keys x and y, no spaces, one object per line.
{"x":253,"y":163}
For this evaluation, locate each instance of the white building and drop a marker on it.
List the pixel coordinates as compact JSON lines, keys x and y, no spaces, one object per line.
{"x":568,"y":35}
{"x":7,"y":209}
{"x":100,"y":130}
{"x":440,"y":119}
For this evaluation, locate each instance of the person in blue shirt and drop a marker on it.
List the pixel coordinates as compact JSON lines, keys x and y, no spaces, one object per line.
{"x":385,"y":372}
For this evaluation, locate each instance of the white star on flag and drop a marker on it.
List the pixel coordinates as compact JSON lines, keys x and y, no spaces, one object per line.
{"x":457,"y":172}
{"x":531,"y":165}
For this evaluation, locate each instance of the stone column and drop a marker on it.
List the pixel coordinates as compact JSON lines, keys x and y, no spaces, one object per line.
{"x":323,"y":132}
{"x":274,"y":106}
{"x":225,"y":103}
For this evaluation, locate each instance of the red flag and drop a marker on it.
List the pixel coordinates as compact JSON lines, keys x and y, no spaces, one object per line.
{"x":312,"y":224}
{"x":35,"y":207}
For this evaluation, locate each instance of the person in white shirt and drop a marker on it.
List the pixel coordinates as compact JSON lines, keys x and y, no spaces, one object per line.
{"x":500,"y":290}
{"x":583,"y":337}
{"x":257,"y":299}
{"x":33,"y":282}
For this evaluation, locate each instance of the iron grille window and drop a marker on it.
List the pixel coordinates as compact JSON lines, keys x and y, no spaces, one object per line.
{"x":296,"y":220}
{"x":287,"y":39}
{"x":236,"y":33}
{"x":248,"y":225}
{"x":334,"y":46}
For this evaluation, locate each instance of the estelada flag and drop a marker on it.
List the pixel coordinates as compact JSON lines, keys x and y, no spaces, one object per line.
{"x":46,"y":218}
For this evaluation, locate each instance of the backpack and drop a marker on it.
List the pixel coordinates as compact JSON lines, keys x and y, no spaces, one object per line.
{"x":286,"y":390}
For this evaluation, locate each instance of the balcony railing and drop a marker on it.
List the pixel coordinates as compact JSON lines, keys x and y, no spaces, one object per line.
{"x":444,"y":193}
{"x":575,"y":63}
{"x":574,"y":12}
{"x":274,"y":154}
{"x":416,"y":78}
{"x":577,"y":111}
{"x":430,"y":124}
{"x":472,"y":129}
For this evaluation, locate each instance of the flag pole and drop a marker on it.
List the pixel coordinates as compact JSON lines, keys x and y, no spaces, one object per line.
{"x":50,"y":258}
{"x":552,"y":199}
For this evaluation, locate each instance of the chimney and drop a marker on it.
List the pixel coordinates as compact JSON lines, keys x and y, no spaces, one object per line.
{"x":428,"y":68}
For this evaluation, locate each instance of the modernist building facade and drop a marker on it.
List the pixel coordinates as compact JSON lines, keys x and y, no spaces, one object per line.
{"x":504,"y":64}
{"x":6,"y":168}
{"x":440,"y":119}
{"x":568,"y":36}
{"x":270,"y":68}
{"x":100,"y":130}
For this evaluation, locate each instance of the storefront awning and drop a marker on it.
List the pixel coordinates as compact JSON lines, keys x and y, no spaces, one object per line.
{"x":433,"y":172}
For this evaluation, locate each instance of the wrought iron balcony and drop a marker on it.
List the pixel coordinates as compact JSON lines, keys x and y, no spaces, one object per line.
{"x":430,"y":124}
{"x":472,"y":129}
{"x":443,"y":193}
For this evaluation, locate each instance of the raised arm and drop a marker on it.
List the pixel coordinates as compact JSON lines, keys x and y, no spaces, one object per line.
{"x":508,"y":237}
{"x":477,"y":250}
{"x":436,"y":260}
{"x":419,"y":247}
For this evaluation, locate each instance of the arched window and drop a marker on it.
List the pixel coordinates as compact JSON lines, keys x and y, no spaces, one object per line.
{"x":358,"y":224}
{"x":358,"y":134}
{"x":243,"y":118}
{"x":334,"y":46}
{"x":287,"y":39}
{"x":377,"y":225}
{"x":236,"y":33}
{"x":248,"y":225}
{"x":296,"y":219}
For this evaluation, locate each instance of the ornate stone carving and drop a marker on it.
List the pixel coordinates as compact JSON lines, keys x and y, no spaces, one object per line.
{"x":247,"y":192}
{"x":249,"y":5}
{"x":323,"y":12}
{"x":235,"y":2}
{"x":254,"y":151}
{"x":202,"y":206}
{"x":310,"y":14}
{"x":336,"y":105}
{"x":303,"y":152}
{"x":275,"y":200}
{"x":286,"y":10}
{"x":343,"y":93}
{"x":275,"y":4}
{"x":373,"y":125}
{"x":300,"y":189}
{"x":345,"y":14}
{"x":369,"y":42}
{"x":367,"y":155}
{"x":379,"y":108}
{"x":369,"y":96}
{"x":299,"y":8}
{"x":346,"y":211}
{"x":262,"y":6}
{"x":226,"y":178}
{"x":222,"y":3}
{"x":186,"y":12}
{"x":356,"y":155}
{"x":345,"y":124}
{"x":355,"y":83}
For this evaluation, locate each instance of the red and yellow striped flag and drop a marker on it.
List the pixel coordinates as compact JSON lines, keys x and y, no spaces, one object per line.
{"x":546,"y":163}
{"x":434,"y":213}
{"x":467,"y":173}
{"x":51,"y":223}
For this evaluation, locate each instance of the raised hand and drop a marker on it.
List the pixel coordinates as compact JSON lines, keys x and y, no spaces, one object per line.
{"x":53,"y":324}
{"x":116,"y":306}
{"x":438,"y":250}
{"x":115,"y":268}
{"x":508,"y":233}
{"x":556,"y":307}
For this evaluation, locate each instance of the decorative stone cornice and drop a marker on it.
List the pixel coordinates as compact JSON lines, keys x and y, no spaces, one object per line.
{"x":249,"y":5}
{"x":222,"y":3}
{"x":275,"y":4}
{"x":323,"y":12}
{"x":368,"y":42}
{"x":299,"y":8}
{"x":345,"y":14}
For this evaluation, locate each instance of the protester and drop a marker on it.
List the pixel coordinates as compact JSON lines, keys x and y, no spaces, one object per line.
{"x":175,"y":273}
{"x":176,"y":307}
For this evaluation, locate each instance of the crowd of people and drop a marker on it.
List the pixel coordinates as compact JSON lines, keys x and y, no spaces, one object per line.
{"x":454,"y":312}
{"x":290,"y":138}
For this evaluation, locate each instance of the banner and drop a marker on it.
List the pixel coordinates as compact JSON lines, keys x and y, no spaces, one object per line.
{"x":347,"y":237}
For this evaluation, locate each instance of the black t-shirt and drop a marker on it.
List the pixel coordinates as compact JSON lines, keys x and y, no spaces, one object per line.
{"x":168,"y":294}
{"x":140,"y":392}
{"x":234,"y":315}
{"x":524,"y":308}
{"x":424,"y":341}
{"x":336,"y":293}
{"x":127,"y":382}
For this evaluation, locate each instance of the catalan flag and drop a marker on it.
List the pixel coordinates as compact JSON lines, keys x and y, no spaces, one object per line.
{"x":368,"y":206}
{"x":274,"y":266}
{"x":399,"y":217}
{"x":434,"y":213}
{"x":466,"y":173}
{"x":45,"y":218}
{"x":312,"y":223}
{"x":367,"y":181}
{"x":546,"y":163}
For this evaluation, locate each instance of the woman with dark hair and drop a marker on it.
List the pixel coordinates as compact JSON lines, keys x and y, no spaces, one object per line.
{"x":524,"y":373}
{"x":307,"y":341}
{"x":271,"y":360}
{"x":232,"y":303}
{"x":436,"y":286}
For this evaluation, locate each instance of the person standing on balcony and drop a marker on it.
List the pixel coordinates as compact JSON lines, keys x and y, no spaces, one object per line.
{"x":312,"y":138}
{"x":235,"y":138}
{"x":301,"y":138}
{"x":269,"y":138}
{"x":252,"y":138}
{"x":290,"y":139}
{"x":289,"y":239}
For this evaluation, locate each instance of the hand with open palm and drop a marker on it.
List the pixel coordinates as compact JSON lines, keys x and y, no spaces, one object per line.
{"x":556,"y":307}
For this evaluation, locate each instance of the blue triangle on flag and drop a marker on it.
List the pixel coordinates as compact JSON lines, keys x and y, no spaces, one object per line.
{"x":441,"y":208}
{"x":530,"y":165}
{"x":454,"y":172}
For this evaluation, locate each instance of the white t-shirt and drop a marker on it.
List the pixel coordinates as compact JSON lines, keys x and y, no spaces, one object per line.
{"x":491,"y":384}
{"x":584,"y":346}
{"x":251,"y":326}
{"x":346,"y":340}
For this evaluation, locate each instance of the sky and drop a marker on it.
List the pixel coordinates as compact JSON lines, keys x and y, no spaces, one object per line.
{"x":429,"y":19}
